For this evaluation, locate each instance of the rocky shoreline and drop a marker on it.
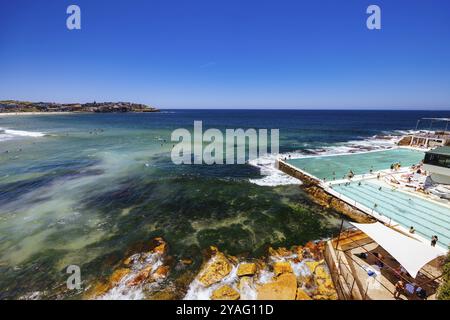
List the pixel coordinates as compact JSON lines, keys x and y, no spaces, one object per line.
{"x":13,"y":106}
{"x":297,"y":273}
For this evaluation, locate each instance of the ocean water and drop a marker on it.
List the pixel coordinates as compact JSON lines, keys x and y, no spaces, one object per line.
{"x":90,"y":189}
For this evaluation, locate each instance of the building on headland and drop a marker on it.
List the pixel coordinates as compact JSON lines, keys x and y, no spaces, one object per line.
{"x":437,"y":164}
{"x":428,"y":138}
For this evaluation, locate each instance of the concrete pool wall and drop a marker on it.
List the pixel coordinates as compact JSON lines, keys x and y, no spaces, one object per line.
{"x":316,"y":189}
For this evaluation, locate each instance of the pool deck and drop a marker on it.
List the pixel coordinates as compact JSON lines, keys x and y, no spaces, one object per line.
{"x":327,"y":186}
{"x":349,"y":272}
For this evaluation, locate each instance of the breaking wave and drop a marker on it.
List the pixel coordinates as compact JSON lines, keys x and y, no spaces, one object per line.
{"x":7,"y":134}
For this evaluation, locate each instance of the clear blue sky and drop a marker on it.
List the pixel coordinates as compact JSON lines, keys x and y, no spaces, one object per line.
{"x":228,"y":53}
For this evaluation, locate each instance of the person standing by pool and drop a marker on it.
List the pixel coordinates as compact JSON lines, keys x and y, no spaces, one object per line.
{"x":434,"y":240}
{"x":399,"y":289}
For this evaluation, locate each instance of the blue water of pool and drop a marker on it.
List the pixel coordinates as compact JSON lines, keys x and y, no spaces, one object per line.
{"x":427,"y":217}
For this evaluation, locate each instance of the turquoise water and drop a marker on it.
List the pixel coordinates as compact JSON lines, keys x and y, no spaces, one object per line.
{"x":428,"y":218}
{"x":329,"y":167}
{"x":98,"y":186}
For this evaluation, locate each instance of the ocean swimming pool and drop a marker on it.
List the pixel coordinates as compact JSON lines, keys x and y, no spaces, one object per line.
{"x":337,"y":166}
{"x":427,"y":217}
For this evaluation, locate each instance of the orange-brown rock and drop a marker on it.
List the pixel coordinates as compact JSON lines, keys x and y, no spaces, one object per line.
{"x":299,"y":251}
{"x":215,"y":270}
{"x":323,"y":297}
{"x":118,"y":275}
{"x":97,"y":290}
{"x":306,"y":280}
{"x":324,"y":289}
{"x":283,"y":288}
{"x":213,"y":250}
{"x":281,"y":267}
{"x":324,"y":283}
{"x":127,"y":261}
{"x":322,"y":272}
{"x":142,"y":276}
{"x":316,"y":249}
{"x":161,"y":249}
{"x":161,"y":272}
{"x":225,"y":293}
{"x":159,"y":246}
{"x":312,"y":265}
{"x":279,"y":253}
{"x":165,"y":294}
{"x":246,"y":269}
{"x":310,"y":245}
{"x":186,"y":261}
{"x":302,"y":295}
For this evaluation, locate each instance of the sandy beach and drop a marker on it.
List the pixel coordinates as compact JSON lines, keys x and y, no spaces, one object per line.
{"x":8,"y":114}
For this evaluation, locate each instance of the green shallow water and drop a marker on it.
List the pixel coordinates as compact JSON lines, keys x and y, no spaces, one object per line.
{"x":98,"y":189}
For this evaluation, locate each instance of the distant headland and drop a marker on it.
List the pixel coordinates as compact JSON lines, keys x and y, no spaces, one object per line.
{"x":13,"y":106}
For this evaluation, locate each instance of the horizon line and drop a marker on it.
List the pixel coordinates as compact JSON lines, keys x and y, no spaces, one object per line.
{"x":446,"y":109}
{"x":393,"y":108}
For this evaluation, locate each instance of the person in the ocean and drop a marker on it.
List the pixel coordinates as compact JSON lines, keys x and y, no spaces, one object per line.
{"x":412,"y":230}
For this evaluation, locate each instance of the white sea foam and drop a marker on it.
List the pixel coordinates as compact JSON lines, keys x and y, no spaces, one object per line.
{"x":273,"y":177}
{"x":7,"y":134}
{"x":197,"y":291}
{"x":122,"y":291}
{"x":248,"y":290}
